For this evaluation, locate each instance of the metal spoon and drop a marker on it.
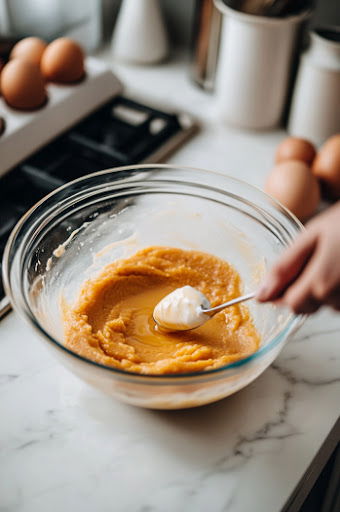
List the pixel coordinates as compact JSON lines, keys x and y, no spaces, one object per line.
{"x":183,"y":312}
{"x":237,"y":300}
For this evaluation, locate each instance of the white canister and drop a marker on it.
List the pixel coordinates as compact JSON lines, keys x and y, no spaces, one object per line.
{"x":315,"y":108}
{"x":254,"y":66}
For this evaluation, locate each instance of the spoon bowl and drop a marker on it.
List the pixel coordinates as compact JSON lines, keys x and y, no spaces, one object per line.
{"x":187,"y":308}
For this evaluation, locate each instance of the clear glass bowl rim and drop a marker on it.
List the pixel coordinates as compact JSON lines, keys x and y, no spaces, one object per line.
{"x":29,"y":317}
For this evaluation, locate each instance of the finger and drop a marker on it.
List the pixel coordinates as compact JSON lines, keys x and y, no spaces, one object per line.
{"x":327,"y":274}
{"x":334,"y":300}
{"x":288,"y":267}
{"x":308,"y":307}
{"x":305,"y":306}
{"x":304,"y":293}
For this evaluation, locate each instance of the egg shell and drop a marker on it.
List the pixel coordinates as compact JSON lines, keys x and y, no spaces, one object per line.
{"x":294,"y":148}
{"x":22,"y":85}
{"x":293,"y":184}
{"x":63,"y":61}
{"x":29,"y":48}
{"x":326,"y":166}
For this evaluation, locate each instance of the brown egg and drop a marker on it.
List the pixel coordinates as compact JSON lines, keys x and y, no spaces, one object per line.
{"x":294,"y":148}
{"x":326,"y":166}
{"x":293,"y":184}
{"x":23,"y":85}
{"x":30,"y":48}
{"x":63,"y":61}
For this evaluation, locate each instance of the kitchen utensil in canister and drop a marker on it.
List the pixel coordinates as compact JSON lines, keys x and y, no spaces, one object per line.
{"x":205,"y":43}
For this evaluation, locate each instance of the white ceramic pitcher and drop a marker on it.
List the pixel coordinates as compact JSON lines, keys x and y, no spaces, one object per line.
{"x":139,"y":36}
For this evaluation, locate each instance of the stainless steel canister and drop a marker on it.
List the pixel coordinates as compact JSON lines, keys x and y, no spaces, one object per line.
{"x":205,"y":43}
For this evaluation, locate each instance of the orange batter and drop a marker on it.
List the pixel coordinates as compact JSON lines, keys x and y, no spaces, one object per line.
{"x":112,"y":322}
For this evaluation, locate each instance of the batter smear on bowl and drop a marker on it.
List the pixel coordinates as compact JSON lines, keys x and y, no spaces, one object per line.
{"x":112,"y":321}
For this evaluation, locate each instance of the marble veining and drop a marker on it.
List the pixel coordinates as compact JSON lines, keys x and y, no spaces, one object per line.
{"x":63,"y":443}
{"x":293,"y":379}
{"x":5,"y":378}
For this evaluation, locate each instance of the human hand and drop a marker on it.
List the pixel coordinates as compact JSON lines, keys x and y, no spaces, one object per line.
{"x":307,"y":275}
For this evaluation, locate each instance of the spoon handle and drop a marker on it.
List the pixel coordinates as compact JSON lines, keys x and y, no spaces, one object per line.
{"x":230,"y":303}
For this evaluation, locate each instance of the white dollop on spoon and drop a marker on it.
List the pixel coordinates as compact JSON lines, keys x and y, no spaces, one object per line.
{"x":187,"y":308}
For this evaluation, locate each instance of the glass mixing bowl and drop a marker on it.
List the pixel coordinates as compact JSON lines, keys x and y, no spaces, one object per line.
{"x":72,"y":233}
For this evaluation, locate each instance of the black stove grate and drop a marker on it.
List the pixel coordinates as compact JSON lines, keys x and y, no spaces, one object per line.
{"x":122,"y":132}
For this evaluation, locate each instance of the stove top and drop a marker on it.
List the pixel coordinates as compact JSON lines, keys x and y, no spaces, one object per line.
{"x":121,"y":132}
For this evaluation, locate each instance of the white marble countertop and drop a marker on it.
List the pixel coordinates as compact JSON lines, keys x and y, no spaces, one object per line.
{"x":65,"y":446}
